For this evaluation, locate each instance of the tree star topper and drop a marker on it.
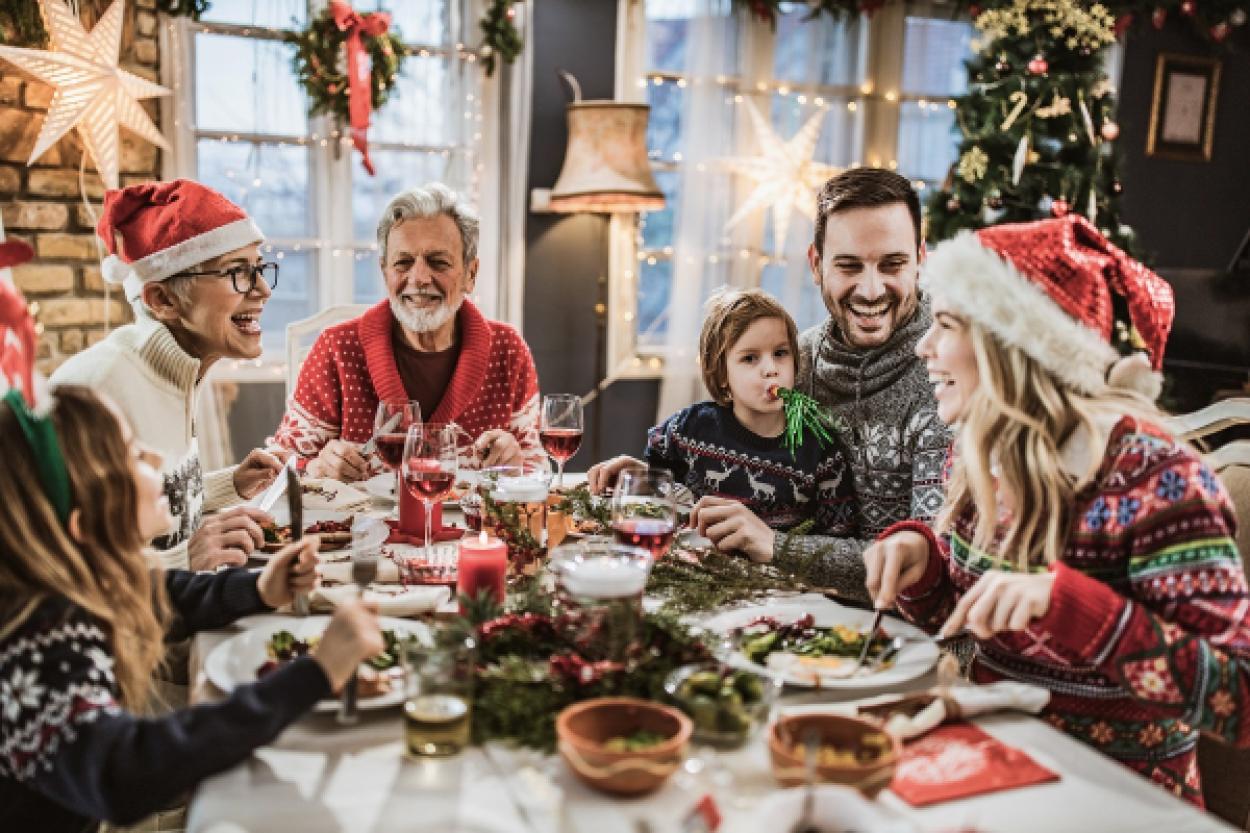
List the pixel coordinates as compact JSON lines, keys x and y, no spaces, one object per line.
{"x":92,"y":92}
{"x":786,"y":177}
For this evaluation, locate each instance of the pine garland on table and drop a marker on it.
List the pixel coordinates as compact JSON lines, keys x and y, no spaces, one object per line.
{"x":321,"y":66}
{"x":698,"y":584}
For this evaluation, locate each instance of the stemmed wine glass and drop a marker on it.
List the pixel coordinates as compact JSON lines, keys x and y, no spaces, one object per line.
{"x":643,"y":514}
{"x":560,"y":429}
{"x":429,"y":467}
{"x":390,"y":431}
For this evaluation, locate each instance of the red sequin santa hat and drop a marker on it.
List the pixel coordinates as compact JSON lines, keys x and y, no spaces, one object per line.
{"x":17,"y":328}
{"x":1047,"y":288}
{"x":166,"y":228}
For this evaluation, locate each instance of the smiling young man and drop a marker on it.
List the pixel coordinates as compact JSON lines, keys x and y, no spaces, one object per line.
{"x":862,"y":366}
{"x":189,"y":260}
{"x":425,"y":342}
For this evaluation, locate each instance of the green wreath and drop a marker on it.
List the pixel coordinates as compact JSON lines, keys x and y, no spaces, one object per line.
{"x":320,"y":64}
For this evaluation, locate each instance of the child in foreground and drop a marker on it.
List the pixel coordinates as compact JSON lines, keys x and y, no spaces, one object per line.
{"x":734,"y":446}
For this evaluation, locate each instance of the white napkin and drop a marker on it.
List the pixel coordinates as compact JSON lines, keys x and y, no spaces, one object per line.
{"x":392,"y":601}
{"x":327,"y":493}
{"x":340,"y":572}
{"x":969,"y":701}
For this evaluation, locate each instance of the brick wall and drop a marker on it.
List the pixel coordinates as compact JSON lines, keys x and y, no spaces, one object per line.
{"x":43,"y":205}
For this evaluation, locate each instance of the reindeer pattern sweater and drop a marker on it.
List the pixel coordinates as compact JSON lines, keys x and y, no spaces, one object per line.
{"x":712,"y":453}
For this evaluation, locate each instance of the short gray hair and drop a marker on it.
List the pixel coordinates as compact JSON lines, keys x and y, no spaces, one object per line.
{"x":431,"y":200}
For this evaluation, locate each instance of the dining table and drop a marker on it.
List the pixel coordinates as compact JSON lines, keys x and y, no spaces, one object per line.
{"x":319,"y":776}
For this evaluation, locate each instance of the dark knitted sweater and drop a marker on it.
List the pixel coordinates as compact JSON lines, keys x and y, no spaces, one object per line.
{"x":70,"y":756}
{"x":712,"y":453}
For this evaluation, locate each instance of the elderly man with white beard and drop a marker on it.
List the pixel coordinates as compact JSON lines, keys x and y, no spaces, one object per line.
{"x":426,"y":342}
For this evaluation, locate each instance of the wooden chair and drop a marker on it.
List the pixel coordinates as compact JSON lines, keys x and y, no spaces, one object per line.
{"x":307,"y":330}
{"x":1226,"y":770}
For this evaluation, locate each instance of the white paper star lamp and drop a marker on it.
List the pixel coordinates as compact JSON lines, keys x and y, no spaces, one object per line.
{"x":786,"y":177}
{"x":92,"y":92}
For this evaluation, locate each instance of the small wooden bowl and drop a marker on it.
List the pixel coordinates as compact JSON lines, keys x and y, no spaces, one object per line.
{"x":841,"y":732}
{"x":583,"y":728}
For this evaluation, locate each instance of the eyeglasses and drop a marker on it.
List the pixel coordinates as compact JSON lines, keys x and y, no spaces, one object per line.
{"x":243,"y":276}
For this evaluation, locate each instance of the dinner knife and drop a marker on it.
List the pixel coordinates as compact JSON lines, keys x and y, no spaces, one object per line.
{"x":271,"y":495}
{"x":295,"y":503}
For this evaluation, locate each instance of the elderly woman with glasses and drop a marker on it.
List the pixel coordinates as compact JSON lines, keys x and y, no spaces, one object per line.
{"x":189,"y":260}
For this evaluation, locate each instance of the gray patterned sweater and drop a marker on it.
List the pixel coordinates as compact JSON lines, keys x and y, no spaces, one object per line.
{"x":883,"y":405}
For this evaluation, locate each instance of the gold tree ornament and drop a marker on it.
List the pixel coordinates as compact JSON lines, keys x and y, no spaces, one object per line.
{"x":92,"y":93}
{"x":973,"y":165}
{"x":786,"y":176}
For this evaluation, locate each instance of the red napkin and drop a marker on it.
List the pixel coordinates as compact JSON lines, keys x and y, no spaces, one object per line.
{"x":444,"y":533}
{"x":958,"y":760}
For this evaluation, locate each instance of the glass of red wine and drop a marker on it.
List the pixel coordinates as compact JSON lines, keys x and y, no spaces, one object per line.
{"x":429,"y":467}
{"x":560,"y":429}
{"x":390,"y":425}
{"x":643,"y":514}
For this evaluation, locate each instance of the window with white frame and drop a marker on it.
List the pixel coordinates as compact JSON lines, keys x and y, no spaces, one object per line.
{"x":241,"y":125}
{"x":884,"y":86}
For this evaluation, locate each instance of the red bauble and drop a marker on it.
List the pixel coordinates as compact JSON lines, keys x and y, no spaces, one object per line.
{"x":974,"y":10}
{"x":1110,"y":131}
{"x":1039,"y":66}
{"x":1188,"y":7}
{"x":1060,"y":208}
{"x":1158,"y":17}
{"x":1219,"y":31}
{"x":1122,"y":23}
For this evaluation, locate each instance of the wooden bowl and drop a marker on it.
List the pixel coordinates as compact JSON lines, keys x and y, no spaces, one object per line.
{"x":846,"y":733}
{"x":583,"y":728}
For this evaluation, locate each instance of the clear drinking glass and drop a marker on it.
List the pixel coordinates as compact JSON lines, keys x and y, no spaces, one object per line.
{"x":643,"y":514}
{"x":438,"y":692}
{"x":560,"y":429}
{"x":391,"y":422}
{"x":429,"y":467}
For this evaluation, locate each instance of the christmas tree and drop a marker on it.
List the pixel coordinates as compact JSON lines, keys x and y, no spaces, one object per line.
{"x":1038,"y":135}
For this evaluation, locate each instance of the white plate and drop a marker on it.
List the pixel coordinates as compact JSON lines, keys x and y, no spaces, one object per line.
{"x":916,"y":657}
{"x":381,"y":486}
{"x":375,"y":536}
{"x":234,"y":662}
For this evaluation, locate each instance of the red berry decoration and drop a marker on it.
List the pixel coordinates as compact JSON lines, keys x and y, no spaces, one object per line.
{"x":1039,"y":66}
{"x":1219,"y":31}
{"x":1188,"y":7}
{"x":1122,"y":23}
{"x":1158,"y":17}
{"x":1060,"y":208}
{"x":1110,"y":131}
{"x":974,"y":10}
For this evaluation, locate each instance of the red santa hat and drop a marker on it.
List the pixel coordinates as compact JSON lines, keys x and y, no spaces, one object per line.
{"x":17,"y":328}
{"x":1046,"y":288}
{"x":166,"y":228}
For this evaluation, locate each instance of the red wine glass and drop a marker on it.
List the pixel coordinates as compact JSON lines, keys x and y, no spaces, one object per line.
{"x":390,"y":426}
{"x":560,"y":429}
{"x":643,"y":514}
{"x":429,"y":467}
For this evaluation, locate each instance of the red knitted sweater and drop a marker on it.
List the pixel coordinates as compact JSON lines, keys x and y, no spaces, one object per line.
{"x":352,"y":365}
{"x":1147,"y":639}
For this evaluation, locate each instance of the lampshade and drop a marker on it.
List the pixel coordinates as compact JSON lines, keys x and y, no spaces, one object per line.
{"x":605,"y":166}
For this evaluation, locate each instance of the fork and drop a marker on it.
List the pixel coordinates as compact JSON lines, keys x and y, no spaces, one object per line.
{"x":364,"y":572}
{"x":868,"y":635}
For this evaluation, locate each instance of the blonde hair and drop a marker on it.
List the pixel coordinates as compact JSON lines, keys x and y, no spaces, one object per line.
{"x":104,"y":572}
{"x":1009,"y":445}
{"x":727,"y":315}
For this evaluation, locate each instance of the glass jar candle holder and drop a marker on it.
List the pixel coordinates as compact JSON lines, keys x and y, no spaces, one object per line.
{"x":514,"y":509}
{"x":600,"y":589}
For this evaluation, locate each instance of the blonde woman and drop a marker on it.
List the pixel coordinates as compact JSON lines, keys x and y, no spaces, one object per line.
{"x":82,"y":621}
{"x":1083,"y":547}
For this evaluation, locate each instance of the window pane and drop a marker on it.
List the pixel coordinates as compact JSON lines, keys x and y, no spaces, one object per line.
{"x":668,"y":23}
{"x":926,"y":139}
{"x":398,"y":170}
{"x":367,"y":284}
{"x":657,"y":226}
{"x":818,"y":51}
{"x":934,"y":52}
{"x":246,"y":85}
{"x":655,"y":282}
{"x":791,"y":284}
{"x":417,"y":111}
{"x":277,"y":14}
{"x":269,"y":181}
{"x":295,"y":297}
{"x":416,"y":21}
{"x":664,"y":126}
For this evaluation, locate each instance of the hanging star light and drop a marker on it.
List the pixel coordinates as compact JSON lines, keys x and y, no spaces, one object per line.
{"x":786,"y":177}
{"x":92,"y":92}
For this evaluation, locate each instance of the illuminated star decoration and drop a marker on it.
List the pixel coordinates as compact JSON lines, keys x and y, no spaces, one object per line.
{"x":786,"y":177}
{"x":92,"y":92}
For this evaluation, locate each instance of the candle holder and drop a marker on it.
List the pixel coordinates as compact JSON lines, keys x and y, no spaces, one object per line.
{"x":600,"y":585}
{"x":514,"y":508}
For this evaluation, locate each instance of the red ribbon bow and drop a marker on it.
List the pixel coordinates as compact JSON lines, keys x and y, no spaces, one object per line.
{"x":359,"y":94}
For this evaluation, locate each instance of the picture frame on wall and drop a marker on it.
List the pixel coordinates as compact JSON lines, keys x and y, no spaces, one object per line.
{"x":1182,"y":111}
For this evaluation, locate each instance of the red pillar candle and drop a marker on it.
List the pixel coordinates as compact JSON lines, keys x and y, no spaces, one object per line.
{"x":483,"y":565}
{"x":412,"y":512}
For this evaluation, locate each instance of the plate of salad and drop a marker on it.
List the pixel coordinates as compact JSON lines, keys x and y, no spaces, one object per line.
{"x":814,"y":643}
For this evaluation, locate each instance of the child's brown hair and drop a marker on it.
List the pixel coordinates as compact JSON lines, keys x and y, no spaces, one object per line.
{"x":728,"y":314}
